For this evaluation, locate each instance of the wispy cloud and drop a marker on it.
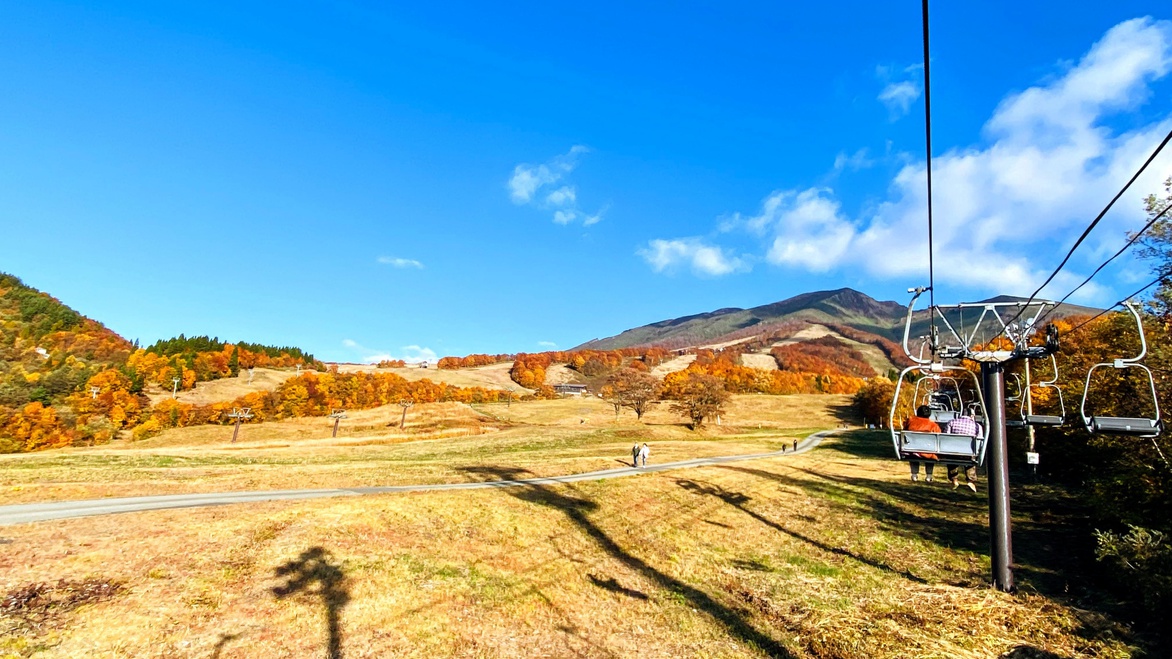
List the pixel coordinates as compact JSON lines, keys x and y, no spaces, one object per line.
{"x":547,"y":344}
{"x":400,"y":262}
{"x":899,"y":96}
{"x":693,"y":253}
{"x":1048,"y":162}
{"x":858,"y":160}
{"x":411,"y":354}
{"x":534,"y":185}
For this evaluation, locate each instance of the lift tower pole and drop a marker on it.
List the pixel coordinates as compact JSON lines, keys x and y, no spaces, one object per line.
{"x":1000,"y":538}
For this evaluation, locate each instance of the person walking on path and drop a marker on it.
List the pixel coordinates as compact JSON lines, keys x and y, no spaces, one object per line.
{"x":643,"y":453}
{"x":635,"y":455}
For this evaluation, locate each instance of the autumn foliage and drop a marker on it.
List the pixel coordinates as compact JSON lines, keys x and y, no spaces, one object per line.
{"x":472,"y":360}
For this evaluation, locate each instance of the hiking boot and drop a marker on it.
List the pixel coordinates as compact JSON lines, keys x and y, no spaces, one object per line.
{"x":972,"y":486}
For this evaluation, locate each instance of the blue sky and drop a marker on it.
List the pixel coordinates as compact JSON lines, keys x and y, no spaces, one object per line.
{"x":436,"y":178}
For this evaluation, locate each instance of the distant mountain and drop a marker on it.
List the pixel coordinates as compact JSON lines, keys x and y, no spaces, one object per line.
{"x":844,"y":306}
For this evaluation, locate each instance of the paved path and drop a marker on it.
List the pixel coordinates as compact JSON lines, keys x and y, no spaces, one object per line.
{"x":39,"y":512}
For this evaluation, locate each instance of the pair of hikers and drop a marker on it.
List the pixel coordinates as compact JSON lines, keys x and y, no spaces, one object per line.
{"x":961,"y":425}
{"x":639,"y":453}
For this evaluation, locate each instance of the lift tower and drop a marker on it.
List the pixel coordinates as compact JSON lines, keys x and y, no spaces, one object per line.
{"x":992,"y":342}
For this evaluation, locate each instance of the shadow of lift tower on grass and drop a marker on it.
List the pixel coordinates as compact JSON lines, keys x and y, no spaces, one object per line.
{"x":314,"y":573}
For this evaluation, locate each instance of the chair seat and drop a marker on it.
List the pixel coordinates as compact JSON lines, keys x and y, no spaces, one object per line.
{"x":1043,"y":420}
{"x":1121,"y":425}
{"x":949,"y":449}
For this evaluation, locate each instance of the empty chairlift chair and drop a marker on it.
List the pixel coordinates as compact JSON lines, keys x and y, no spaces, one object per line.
{"x":1114,"y":425}
{"x":1050,"y":420}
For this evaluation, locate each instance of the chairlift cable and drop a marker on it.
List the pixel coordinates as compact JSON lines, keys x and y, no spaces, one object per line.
{"x":1092,"y":225}
{"x":928,"y":147}
{"x":1163,"y":276}
{"x":1123,"y":249}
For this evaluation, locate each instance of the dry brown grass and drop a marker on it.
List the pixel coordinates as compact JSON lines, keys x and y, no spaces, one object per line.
{"x":826,"y":555}
{"x":214,"y":391}
{"x":760,"y":361}
{"x":440,"y":442}
{"x":672,"y":365}
{"x":493,"y":376}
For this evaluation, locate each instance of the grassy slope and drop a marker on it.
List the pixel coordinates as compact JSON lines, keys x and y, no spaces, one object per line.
{"x":545,"y":437}
{"x":829,"y":554}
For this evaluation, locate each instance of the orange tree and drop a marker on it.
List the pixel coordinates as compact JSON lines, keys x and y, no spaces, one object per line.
{"x":695,"y":395}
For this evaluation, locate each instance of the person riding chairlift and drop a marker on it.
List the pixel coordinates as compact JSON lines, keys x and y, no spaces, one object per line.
{"x":922,"y":422}
{"x":964,"y":425}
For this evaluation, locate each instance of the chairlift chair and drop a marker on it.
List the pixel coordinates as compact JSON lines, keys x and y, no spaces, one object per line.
{"x":1131,"y":426}
{"x":1049,"y":420}
{"x":945,"y":405}
{"x":961,"y":450}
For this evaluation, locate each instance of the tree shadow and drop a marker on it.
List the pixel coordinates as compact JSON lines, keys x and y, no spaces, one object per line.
{"x":738,"y":501}
{"x":1053,"y":549}
{"x":614,"y":586}
{"x":577,"y":511}
{"x":224,"y":640}
{"x":314,"y":567}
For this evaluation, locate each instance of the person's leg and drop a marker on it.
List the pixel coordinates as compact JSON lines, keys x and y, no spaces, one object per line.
{"x":953,"y":472}
{"x":928,"y":468}
{"x":970,"y":475}
{"x":915,"y":466}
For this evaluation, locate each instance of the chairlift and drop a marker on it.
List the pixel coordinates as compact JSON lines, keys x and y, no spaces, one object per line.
{"x":945,"y":404}
{"x":946,"y":448}
{"x":1131,"y":426}
{"x":1048,"y":420}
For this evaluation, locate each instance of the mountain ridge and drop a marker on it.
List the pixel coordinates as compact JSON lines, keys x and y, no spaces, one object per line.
{"x":842,"y":306}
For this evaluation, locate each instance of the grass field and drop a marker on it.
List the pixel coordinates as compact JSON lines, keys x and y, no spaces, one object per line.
{"x":439,"y":443}
{"x":830,"y":554}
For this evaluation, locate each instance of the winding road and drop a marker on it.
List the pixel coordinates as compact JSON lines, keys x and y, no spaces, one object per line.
{"x":40,"y":512}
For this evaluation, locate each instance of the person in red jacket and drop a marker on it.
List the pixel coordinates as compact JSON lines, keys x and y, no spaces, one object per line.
{"x":922,"y":422}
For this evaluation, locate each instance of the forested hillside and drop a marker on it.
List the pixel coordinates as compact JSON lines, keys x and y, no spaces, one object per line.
{"x":67,"y":379}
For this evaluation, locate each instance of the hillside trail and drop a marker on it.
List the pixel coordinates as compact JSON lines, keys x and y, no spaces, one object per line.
{"x":39,"y":512}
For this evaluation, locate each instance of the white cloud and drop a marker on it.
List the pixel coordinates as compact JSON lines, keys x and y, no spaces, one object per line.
{"x":411,"y":354}
{"x":562,"y":196}
{"x":530,"y":185}
{"x":858,"y":160}
{"x":400,"y":262}
{"x":1006,"y":210}
{"x":899,"y":96}
{"x":416,"y":354}
{"x":547,"y":344}
{"x":702,"y":259}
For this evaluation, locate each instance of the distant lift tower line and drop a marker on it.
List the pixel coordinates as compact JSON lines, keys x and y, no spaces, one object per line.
{"x":337,"y":416}
{"x":240,"y":415}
